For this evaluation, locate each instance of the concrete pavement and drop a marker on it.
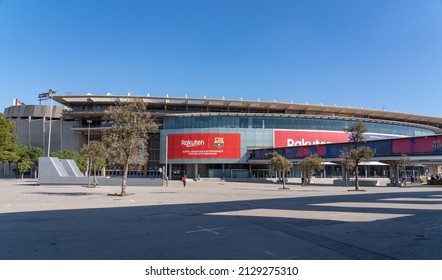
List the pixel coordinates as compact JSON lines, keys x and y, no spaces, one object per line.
{"x":219,"y":220}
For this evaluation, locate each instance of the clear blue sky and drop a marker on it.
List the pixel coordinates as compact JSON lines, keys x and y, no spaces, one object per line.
{"x":382,"y":54}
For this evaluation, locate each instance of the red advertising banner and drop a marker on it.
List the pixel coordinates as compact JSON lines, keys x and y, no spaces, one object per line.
{"x":204,"y":145}
{"x":417,"y":145}
{"x":290,"y":138}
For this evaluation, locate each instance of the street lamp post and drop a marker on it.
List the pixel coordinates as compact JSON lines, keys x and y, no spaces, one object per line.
{"x":88,"y":131}
{"x":47,"y":95}
{"x":88,"y":160}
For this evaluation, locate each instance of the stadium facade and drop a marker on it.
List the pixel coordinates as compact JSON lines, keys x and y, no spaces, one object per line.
{"x":214,"y":137}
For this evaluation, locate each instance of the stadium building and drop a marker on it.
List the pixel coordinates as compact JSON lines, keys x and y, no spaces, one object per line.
{"x":214,"y":137}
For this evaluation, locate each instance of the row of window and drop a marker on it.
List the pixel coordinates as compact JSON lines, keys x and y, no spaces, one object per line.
{"x":287,"y":123}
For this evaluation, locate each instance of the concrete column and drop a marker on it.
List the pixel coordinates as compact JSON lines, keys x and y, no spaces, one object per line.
{"x":170,"y":171}
{"x":398,"y":178}
{"x":29,"y":131}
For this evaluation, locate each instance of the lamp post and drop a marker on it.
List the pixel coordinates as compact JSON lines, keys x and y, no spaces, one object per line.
{"x":88,"y":131}
{"x":88,"y":160}
{"x":44,"y":96}
{"x":166,"y":168}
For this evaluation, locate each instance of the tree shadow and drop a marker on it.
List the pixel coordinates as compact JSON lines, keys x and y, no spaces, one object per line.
{"x":66,"y":193}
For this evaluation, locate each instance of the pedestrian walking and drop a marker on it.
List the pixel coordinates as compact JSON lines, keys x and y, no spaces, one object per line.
{"x":184,"y":179}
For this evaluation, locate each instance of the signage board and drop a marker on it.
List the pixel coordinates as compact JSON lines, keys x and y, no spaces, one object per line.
{"x":292,"y":138}
{"x":204,"y":145}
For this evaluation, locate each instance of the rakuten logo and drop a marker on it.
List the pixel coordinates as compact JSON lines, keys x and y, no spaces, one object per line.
{"x":303,"y":142}
{"x":192,"y":143}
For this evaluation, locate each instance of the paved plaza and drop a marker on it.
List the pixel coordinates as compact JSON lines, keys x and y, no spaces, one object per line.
{"x":219,"y":220}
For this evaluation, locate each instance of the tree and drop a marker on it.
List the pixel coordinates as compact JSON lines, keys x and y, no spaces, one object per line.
{"x":127,"y":138}
{"x":23,"y":162}
{"x":358,"y":152}
{"x":282,"y":165}
{"x":310,"y":165}
{"x":403,"y":162}
{"x":95,"y":153}
{"x":68,"y":154}
{"x":34,"y":153}
{"x":7,"y":141}
{"x":27,"y":157}
{"x":347,"y":164}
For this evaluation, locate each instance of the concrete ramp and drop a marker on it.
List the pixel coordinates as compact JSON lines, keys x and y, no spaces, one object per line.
{"x":53,"y":171}
{"x":71,"y":167}
{"x":57,"y":167}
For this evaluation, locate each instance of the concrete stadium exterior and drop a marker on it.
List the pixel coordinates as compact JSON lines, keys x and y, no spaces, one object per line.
{"x":213,"y":137}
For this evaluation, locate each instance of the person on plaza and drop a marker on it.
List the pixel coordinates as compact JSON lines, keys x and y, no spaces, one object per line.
{"x":184,"y":179}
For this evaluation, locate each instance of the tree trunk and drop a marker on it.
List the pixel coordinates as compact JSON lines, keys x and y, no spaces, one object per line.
{"x":95,"y":172}
{"x":88,"y":173}
{"x":124,"y":183}
{"x":345,"y":177}
{"x":357,"y":177}
{"x":283,"y":180}
{"x":405,"y":177}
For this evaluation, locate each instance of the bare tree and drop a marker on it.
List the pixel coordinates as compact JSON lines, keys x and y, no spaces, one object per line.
{"x":347,"y":164}
{"x":127,"y":138}
{"x":403,"y":162}
{"x":95,"y":153}
{"x":358,"y":152}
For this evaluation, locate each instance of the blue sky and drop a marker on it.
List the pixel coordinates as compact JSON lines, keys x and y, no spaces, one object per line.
{"x":381,"y":54}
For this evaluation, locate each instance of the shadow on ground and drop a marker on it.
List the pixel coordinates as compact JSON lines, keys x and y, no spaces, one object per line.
{"x":400,"y":225}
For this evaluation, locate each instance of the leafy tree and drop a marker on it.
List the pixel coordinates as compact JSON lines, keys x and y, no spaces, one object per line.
{"x":127,"y":138}
{"x":95,"y":153}
{"x":68,"y":154}
{"x":7,"y":141}
{"x":27,"y":157}
{"x":282,"y":165}
{"x":310,"y":165}
{"x":24,"y":162}
{"x":34,"y":153}
{"x":358,"y":152}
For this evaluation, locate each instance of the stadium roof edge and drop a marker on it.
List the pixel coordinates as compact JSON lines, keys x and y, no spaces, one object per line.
{"x":68,"y":100}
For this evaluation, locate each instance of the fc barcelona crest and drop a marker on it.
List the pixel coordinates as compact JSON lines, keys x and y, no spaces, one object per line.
{"x":219,"y":142}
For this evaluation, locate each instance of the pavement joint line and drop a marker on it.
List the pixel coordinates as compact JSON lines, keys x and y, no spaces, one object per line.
{"x":202,"y":229}
{"x":161,"y":216}
{"x":273,"y":254}
{"x":435,"y":226}
{"x":270,"y":253}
